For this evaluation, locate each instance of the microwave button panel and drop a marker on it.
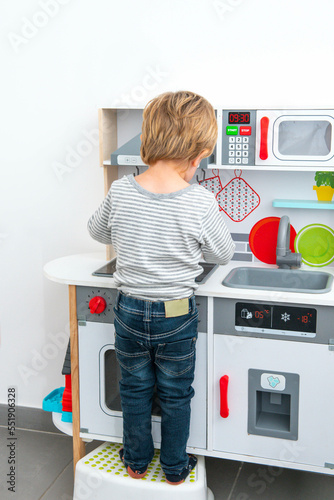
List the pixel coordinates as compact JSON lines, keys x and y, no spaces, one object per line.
{"x":238,"y":142}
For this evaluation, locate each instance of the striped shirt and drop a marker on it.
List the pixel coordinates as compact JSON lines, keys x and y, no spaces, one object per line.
{"x":159,"y":239}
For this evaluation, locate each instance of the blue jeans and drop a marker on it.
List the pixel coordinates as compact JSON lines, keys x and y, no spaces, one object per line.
{"x":155,"y":350}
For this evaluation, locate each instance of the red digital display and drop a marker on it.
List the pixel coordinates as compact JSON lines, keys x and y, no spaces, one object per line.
{"x":253,"y":315}
{"x":299,"y":319}
{"x":238,"y":117}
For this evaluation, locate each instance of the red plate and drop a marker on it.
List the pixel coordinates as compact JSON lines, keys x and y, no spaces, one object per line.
{"x":263,"y":239}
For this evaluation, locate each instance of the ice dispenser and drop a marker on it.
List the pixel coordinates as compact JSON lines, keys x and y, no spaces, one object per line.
{"x":273,"y":400}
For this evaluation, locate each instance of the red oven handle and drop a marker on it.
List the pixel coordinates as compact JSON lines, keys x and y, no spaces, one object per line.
{"x":264,"y":123}
{"x":224,"y":410}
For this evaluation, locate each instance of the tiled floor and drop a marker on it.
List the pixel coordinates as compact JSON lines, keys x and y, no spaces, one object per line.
{"x":45,"y":472}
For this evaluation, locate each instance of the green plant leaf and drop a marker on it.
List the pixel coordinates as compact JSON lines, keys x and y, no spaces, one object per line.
{"x":324,"y":179}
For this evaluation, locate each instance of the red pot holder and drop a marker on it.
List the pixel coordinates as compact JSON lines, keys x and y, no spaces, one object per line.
{"x":237,"y":199}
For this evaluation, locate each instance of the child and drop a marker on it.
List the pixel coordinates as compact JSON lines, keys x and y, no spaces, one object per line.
{"x":161,"y":227}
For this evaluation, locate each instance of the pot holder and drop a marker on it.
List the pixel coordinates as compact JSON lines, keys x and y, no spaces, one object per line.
{"x":212,"y":184}
{"x":238,"y":199}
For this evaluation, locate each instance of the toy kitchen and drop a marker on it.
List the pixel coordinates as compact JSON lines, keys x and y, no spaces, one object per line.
{"x":265,"y":352}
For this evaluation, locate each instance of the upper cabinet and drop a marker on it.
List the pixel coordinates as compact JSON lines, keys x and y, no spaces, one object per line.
{"x":248,"y":139}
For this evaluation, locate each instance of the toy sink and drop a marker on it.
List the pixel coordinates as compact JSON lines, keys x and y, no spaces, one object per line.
{"x":286,"y":280}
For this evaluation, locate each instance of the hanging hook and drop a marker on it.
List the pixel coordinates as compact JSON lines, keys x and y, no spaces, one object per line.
{"x":203,"y":176}
{"x":137,"y":171}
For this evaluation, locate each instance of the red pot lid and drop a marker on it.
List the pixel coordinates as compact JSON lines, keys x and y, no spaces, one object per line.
{"x":263,"y":239}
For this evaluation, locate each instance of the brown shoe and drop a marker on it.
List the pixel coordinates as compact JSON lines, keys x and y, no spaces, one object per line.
{"x":176,"y":479}
{"x":136,"y":474}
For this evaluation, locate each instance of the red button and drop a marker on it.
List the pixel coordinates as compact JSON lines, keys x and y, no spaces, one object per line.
{"x":245,"y":130}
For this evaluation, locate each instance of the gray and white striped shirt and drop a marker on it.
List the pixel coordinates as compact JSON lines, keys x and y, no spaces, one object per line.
{"x":159,"y":239}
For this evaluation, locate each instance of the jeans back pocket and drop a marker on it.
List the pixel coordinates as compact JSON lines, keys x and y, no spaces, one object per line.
{"x":176,"y":358}
{"x":131,"y":355}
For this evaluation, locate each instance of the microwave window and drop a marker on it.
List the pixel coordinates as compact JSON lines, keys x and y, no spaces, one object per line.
{"x":304,"y":138}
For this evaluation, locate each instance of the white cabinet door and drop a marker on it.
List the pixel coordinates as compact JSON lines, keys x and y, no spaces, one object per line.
{"x":234,"y":356}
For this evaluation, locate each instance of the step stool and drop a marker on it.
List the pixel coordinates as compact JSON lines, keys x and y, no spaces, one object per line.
{"x":101,"y":475}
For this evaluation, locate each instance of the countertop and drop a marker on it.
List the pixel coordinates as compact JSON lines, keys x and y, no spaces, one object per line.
{"x":78,"y":269}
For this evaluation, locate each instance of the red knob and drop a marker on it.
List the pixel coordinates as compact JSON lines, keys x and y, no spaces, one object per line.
{"x":97,"y":305}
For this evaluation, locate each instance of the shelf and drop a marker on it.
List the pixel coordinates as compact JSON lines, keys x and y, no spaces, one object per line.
{"x":67,"y":427}
{"x":212,"y":166}
{"x":318,"y":205}
{"x":266,"y":168}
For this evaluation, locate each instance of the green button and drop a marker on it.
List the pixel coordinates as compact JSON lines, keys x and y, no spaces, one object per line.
{"x":231,"y":130}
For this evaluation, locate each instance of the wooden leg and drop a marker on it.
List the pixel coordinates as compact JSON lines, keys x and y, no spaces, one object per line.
{"x":78,"y":444}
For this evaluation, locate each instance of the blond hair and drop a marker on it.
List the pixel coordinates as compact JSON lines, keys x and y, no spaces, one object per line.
{"x":177,"y":126}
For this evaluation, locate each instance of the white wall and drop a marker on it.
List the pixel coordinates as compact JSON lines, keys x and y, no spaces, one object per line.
{"x":61,"y":60}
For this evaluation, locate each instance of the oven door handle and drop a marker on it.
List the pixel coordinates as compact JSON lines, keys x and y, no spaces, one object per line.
{"x":264,"y":123}
{"x":223,"y":383}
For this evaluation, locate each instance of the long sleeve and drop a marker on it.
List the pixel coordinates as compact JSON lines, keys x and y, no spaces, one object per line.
{"x":217,"y":244}
{"x":98,"y":224}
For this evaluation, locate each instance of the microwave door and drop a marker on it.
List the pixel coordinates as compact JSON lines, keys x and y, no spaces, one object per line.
{"x":295,"y":138}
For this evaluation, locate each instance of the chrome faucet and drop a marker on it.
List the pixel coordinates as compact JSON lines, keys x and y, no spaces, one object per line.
{"x":285,"y":259}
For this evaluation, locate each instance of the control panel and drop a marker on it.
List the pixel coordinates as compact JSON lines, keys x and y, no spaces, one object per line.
{"x":95,"y":304}
{"x":238,"y":137}
{"x":130,"y":160}
{"x":276,"y":319}
{"x":273,"y":320}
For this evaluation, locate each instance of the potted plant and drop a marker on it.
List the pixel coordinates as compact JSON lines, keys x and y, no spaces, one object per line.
{"x":324,"y":185}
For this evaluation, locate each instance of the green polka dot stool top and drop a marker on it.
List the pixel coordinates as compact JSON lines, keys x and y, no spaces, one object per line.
{"x":102,"y":473}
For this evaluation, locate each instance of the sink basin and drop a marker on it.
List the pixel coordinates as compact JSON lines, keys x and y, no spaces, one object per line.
{"x":286,"y":280}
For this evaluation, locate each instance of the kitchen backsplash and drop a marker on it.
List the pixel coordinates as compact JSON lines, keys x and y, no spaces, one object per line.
{"x":242,"y":249}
